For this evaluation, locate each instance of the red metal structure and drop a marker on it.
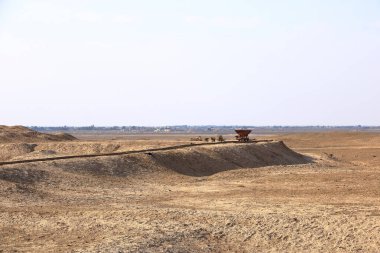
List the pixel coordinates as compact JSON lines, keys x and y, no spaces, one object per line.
{"x":242,"y":135}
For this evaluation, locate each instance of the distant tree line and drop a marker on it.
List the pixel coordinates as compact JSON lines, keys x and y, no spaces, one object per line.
{"x":203,"y":129}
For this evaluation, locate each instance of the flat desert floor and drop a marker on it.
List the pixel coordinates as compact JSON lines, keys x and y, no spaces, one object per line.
{"x":217,"y":198}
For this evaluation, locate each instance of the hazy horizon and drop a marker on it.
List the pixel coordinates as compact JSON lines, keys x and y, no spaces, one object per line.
{"x":208,"y":125}
{"x":161,"y":63}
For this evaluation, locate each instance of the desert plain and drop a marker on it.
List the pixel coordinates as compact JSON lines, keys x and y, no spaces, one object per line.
{"x":301,"y":192}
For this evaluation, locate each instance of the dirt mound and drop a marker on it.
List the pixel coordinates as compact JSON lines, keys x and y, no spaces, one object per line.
{"x":80,"y":147}
{"x":23,"y":151}
{"x":196,"y":161}
{"x":24,"y":134}
{"x":209,"y":160}
{"x":193,"y":161}
{"x":10,"y":150}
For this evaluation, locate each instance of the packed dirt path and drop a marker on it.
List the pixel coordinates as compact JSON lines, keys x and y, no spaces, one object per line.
{"x":129,"y":204}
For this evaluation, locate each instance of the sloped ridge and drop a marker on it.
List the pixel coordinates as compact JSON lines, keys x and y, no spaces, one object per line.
{"x":194,"y":161}
{"x":23,"y":134}
{"x":119,"y":166}
{"x":213,"y":159}
{"x":10,"y":150}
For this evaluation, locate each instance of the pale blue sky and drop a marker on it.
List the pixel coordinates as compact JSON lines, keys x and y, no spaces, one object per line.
{"x":85,"y":62}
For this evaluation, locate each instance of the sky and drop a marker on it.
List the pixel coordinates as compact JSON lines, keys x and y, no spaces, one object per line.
{"x":195,"y":62}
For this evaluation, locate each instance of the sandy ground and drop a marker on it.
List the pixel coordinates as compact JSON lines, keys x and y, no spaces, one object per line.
{"x":102,"y":205}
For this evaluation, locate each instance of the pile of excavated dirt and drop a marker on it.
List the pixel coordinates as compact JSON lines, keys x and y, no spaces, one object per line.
{"x":208,"y":160}
{"x":194,"y":161}
{"x":33,"y":181}
{"x":80,"y":148}
{"x":13,"y":151}
{"x":23,"y":134}
{"x":10,"y":150}
{"x":22,"y":151}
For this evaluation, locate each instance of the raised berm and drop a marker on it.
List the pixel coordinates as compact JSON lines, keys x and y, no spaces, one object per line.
{"x":23,"y":134}
{"x":209,"y":160}
{"x":195,"y":161}
{"x":18,"y":141}
{"x":192,"y":161}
